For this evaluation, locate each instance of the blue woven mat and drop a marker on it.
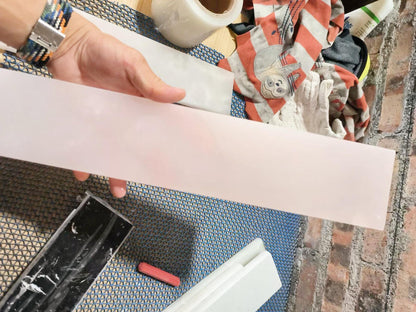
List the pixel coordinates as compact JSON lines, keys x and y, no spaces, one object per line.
{"x":185,"y":234}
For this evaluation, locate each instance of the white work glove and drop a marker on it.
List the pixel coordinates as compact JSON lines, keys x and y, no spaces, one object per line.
{"x":289,"y":116}
{"x":308,"y":109}
{"x":312,"y":100}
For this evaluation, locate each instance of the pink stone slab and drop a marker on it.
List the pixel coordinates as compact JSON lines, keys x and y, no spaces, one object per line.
{"x":71,"y":126}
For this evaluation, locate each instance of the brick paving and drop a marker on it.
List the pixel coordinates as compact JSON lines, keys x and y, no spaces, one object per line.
{"x":345,"y":268}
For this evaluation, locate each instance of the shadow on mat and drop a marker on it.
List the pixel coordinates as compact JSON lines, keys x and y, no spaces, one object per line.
{"x":35,"y":200}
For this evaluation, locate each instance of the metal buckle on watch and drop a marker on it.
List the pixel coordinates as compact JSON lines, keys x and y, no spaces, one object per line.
{"x":46,"y":36}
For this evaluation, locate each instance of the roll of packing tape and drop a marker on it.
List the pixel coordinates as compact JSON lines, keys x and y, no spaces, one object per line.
{"x":187,"y":23}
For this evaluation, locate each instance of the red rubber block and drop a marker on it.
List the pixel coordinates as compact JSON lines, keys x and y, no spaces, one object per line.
{"x":158,"y":274}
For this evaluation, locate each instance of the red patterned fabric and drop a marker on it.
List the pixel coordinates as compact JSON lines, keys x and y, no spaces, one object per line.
{"x":272,"y":60}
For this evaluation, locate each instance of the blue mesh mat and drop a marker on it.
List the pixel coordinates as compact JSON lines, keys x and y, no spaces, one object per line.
{"x":185,"y":234}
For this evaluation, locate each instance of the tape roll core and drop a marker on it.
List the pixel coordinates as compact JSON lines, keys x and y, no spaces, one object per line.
{"x":187,"y":23}
{"x":217,"y":7}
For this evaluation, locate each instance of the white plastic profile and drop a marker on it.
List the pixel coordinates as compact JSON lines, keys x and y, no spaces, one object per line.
{"x":207,"y":87}
{"x":242,"y":284}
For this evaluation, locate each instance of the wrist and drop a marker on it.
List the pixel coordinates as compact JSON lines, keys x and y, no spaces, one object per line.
{"x":78,"y":30}
{"x":17,"y":20}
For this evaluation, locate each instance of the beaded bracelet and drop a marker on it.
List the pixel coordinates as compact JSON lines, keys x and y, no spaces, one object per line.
{"x":56,"y":14}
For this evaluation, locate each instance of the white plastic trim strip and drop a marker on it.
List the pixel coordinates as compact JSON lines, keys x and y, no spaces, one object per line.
{"x":207,"y":87}
{"x":242,"y":284}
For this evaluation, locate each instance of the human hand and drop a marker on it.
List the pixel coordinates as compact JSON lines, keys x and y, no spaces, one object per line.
{"x":88,"y":56}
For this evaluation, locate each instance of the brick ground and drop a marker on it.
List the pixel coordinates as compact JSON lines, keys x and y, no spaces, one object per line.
{"x":345,"y":268}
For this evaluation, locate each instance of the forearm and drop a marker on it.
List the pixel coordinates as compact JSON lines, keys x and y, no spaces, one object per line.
{"x":17,"y":20}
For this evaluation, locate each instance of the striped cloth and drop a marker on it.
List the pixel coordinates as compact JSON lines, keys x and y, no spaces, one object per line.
{"x":272,"y":60}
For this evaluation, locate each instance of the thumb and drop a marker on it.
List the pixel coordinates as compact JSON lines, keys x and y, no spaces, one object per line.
{"x":151,"y":86}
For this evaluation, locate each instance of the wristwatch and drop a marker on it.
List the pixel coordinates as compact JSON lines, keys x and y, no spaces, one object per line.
{"x":47,"y":34}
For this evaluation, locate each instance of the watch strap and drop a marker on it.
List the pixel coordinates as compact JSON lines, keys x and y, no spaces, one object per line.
{"x":47,"y":34}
